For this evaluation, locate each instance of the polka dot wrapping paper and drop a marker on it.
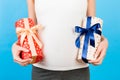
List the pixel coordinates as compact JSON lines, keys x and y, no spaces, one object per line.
{"x":88,"y":38}
{"x":28,"y":38}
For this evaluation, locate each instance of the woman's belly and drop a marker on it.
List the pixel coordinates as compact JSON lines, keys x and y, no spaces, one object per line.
{"x":59,"y":17}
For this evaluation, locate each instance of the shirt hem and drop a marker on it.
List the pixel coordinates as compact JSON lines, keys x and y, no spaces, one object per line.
{"x":61,"y":68}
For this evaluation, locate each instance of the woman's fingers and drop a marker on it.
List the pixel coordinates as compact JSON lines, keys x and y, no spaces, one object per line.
{"x":19,"y":48}
{"x":16,"y":49}
{"x":23,"y":62}
{"x":99,"y":49}
{"x":100,"y":53}
{"x":98,"y":63}
{"x":99,"y":59}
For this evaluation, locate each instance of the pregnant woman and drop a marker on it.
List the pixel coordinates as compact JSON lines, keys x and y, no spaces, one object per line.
{"x":59,"y":18}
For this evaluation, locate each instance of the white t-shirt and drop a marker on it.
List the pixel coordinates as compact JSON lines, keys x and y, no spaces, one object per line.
{"x":59,"y":17}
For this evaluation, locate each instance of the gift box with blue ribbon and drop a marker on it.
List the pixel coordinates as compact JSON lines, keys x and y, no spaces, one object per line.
{"x":88,"y":38}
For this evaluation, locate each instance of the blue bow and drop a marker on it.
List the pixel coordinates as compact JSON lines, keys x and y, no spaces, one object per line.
{"x":89,"y":35}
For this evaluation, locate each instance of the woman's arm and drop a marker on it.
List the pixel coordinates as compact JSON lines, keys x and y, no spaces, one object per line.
{"x":31,"y":10}
{"x":91,"y":11}
{"x":17,"y":49}
{"x":101,"y":51}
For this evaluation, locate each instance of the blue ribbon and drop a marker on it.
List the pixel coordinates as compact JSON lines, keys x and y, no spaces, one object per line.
{"x":89,"y":35}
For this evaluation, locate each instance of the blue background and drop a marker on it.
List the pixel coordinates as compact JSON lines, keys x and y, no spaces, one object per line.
{"x":12,"y":10}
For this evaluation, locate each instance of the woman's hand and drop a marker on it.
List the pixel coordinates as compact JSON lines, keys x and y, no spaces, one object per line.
{"x":16,"y":55}
{"x":101,"y":52}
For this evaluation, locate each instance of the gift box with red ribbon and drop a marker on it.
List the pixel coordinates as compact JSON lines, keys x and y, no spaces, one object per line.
{"x":28,"y":38}
{"x":88,"y":38}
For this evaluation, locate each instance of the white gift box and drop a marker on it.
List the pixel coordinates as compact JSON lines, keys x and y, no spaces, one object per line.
{"x":86,"y":51}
